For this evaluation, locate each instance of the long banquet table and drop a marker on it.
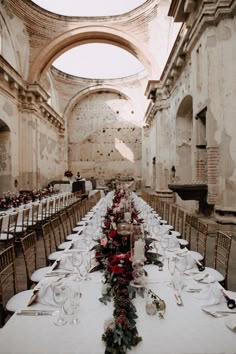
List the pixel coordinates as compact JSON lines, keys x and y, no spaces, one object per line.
{"x":184,"y":330}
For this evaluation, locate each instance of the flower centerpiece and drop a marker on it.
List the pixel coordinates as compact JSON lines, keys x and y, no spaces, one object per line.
{"x":68,"y":174}
{"x":113,"y":252}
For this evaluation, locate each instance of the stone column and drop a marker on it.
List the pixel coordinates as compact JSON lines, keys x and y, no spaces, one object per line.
{"x":28,"y":150}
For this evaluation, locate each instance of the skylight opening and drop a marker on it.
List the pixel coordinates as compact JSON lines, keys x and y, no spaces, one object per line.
{"x":98,"y":61}
{"x":89,"y":7}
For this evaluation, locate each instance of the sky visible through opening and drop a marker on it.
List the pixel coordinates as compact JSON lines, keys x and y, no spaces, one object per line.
{"x":96,"y":61}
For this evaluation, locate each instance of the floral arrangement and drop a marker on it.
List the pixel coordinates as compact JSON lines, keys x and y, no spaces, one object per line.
{"x":12,"y":200}
{"x":121,"y":333}
{"x":113,"y":253}
{"x":68,"y":173}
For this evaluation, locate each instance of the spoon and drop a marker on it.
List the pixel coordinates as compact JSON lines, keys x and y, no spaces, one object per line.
{"x":231,"y":303}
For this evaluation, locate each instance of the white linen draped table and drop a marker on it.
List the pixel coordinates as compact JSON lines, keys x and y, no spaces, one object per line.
{"x":28,"y":205}
{"x":184,"y":329}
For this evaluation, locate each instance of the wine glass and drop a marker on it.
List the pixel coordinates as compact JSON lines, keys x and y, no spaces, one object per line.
{"x":77,"y":260}
{"x":177,"y":282}
{"x":86,"y":266}
{"x":75,"y":296}
{"x":60,"y":296}
{"x":164,"y":244}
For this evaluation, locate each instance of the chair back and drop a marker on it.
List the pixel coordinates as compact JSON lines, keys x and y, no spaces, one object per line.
{"x":8,"y":286}
{"x":11,"y":227}
{"x":187,"y":230}
{"x":56,"y":227}
{"x":222,"y":253}
{"x":34,"y":214}
{"x":76,"y":208}
{"x":173,"y":215}
{"x":48,"y":240}
{"x":180,"y":222}
{"x":29,"y":248}
{"x":50,"y":208}
{"x":1,"y":219}
{"x":167,"y":212}
{"x":23,"y":226}
{"x":65,"y":224}
{"x":202,"y":238}
{"x":71,"y":218}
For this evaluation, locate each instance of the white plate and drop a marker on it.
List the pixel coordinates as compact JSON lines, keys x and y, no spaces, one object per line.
{"x":230,"y":322}
{"x":204,"y":278}
{"x":175,"y":233}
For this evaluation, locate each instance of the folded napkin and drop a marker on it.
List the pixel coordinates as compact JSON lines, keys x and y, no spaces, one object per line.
{"x":173,"y":243}
{"x":56,"y":264}
{"x":230,"y":322}
{"x":66,"y":263}
{"x":45,"y":294}
{"x":34,"y":297}
{"x":211,"y":295}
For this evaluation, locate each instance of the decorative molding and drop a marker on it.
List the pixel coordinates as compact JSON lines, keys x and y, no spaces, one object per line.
{"x":30,"y":97}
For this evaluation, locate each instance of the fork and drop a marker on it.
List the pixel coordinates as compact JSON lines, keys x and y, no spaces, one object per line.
{"x":218,"y":314}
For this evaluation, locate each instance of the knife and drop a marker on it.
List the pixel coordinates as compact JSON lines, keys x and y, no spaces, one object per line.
{"x":36,"y":313}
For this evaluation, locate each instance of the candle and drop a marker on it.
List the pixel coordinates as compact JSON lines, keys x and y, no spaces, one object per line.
{"x":139,"y":249}
{"x":127,"y":216}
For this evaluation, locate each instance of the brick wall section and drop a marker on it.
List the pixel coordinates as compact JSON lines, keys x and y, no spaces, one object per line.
{"x":201,"y":175}
{"x":213,"y":157}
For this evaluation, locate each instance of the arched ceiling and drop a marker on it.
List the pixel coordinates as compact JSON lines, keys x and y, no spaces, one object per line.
{"x":89,"y":7}
{"x":91,"y":34}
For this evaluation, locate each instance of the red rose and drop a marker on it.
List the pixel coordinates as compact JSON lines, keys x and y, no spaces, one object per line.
{"x":112,"y":233}
{"x":116,"y":269}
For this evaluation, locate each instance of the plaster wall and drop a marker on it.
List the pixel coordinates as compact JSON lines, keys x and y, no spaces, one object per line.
{"x":104,"y":137}
{"x":14,"y":41}
{"x":9,"y":143}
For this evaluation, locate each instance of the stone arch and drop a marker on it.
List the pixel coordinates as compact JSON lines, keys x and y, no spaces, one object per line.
{"x":5,"y":158}
{"x":184,"y":129}
{"x":90,"y":90}
{"x":92,"y":34}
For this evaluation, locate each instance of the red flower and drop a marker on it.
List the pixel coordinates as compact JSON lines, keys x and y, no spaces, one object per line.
{"x":117,"y":270}
{"x":112,"y":233}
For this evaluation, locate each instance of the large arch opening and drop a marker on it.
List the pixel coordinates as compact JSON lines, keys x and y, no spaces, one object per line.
{"x":91,"y":34}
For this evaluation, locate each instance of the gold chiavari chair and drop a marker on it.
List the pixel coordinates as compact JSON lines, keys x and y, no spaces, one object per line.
{"x":180,"y":222}
{"x":29,"y":249}
{"x":10,"y":300}
{"x":221,"y":255}
{"x":58,"y":234}
{"x":7,"y":236}
{"x":202,"y":239}
{"x":173,"y":216}
{"x":187,"y":229}
{"x":51,"y":253}
{"x":33,"y":220}
{"x":167,"y":212}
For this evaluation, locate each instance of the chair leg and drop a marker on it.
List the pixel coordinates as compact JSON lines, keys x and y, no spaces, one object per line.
{"x":2,"y":315}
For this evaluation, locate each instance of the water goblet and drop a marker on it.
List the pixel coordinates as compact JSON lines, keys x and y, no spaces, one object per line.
{"x":164,"y":244}
{"x":77,"y":260}
{"x":85,"y":266}
{"x":75,"y":296}
{"x":60,"y":296}
{"x":177,"y":282}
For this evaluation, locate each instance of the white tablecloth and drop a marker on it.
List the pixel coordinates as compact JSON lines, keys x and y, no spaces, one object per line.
{"x":184,"y":329}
